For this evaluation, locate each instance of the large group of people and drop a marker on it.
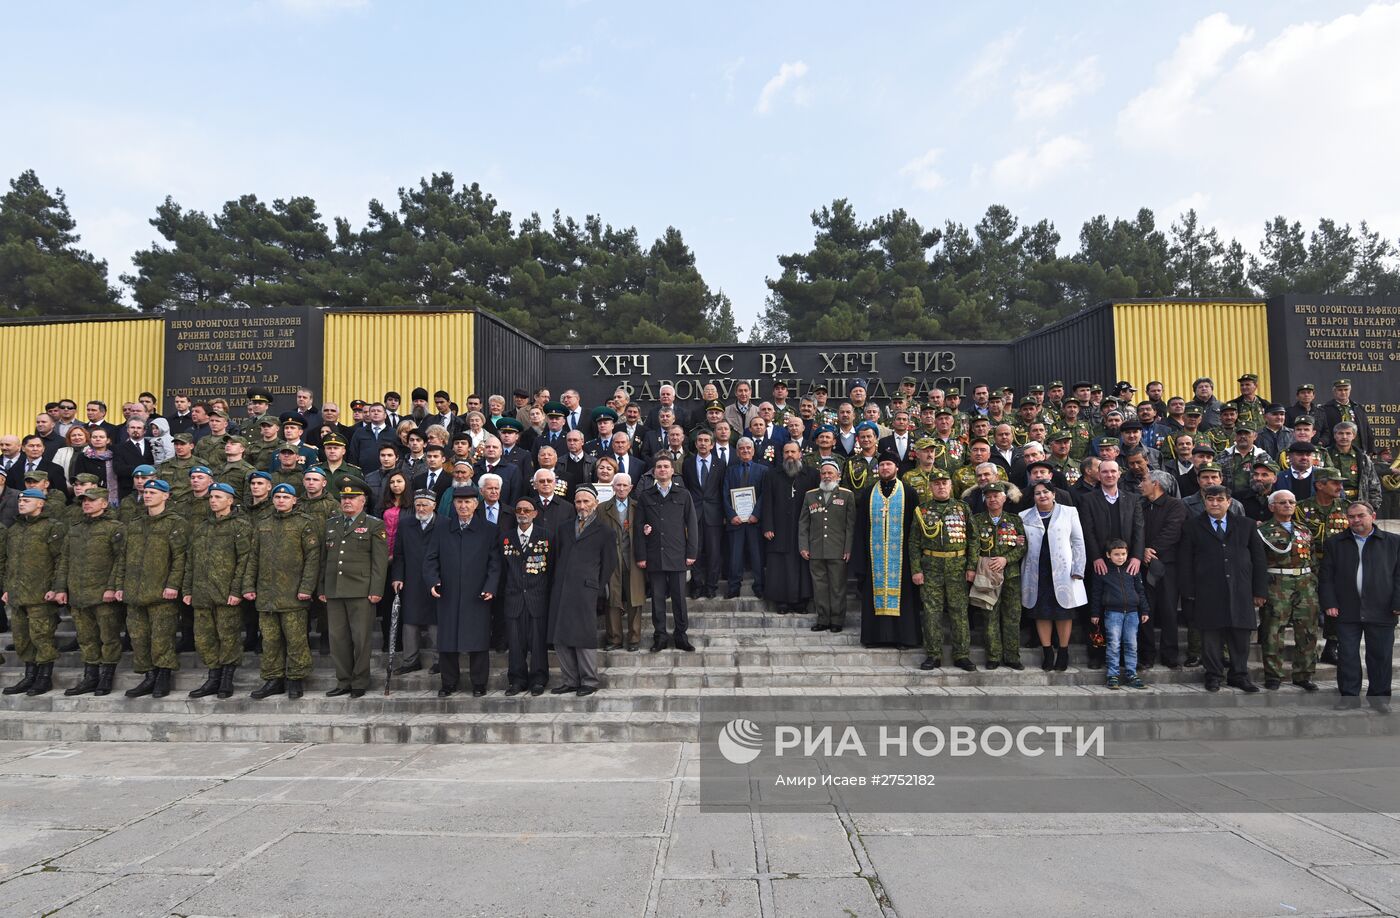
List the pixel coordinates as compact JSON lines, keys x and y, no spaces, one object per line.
{"x":531,"y":524}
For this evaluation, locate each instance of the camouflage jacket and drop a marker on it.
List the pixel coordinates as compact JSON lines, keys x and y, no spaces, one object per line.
{"x":34,"y":551}
{"x":219,"y":551}
{"x":1006,"y":538}
{"x":154,"y":559}
{"x":286,"y":560}
{"x":1286,"y":550}
{"x":91,"y":554}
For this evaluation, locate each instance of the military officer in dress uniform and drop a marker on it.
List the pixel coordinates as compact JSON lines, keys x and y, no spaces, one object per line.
{"x":527,"y":568}
{"x":353,"y":575}
{"x":1293,"y":602}
{"x":941,"y":547}
{"x":825,"y":530}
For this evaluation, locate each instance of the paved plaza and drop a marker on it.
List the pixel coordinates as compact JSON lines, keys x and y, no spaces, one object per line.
{"x":227,"y":829}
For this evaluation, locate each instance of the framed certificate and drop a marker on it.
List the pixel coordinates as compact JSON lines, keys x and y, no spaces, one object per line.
{"x":744,"y":501}
{"x":604,"y":490}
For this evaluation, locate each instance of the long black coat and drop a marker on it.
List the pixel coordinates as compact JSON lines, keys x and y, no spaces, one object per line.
{"x":781,"y":506}
{"x":583,"y":567}
{"x":1380,"y":578}
{"x":526,"y":573}
{"x":411,"y":543}
{"x":1223,"y":577}
{"x":675,"y":528}
{"x":465,"y":563}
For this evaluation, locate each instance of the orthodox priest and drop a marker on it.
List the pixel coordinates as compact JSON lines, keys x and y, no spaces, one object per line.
{"x":889,"y":614}
{"x":787,"y":581}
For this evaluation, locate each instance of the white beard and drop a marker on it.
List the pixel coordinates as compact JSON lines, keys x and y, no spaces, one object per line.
{"x":828,"y":486}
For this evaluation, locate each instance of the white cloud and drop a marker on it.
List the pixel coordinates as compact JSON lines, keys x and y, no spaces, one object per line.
{"x":1030,"y":167}
{"x":1045,"y":94}
{"x":921,"y":170}
{"x":789,"y":73}
{"x":988,"y":64}
{"x":1157,"y":113}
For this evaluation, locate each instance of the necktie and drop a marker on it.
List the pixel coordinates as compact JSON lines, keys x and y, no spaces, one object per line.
{"x":524,"y":537}
{"x":491,"y":514}
{"x":1220,"y":528}
{"x":432,"y":480}
{"x":704,"y":471}
{"x":573,"y":420}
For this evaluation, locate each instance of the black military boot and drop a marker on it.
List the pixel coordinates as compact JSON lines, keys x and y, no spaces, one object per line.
{"x":162,"y":686}
{"x":43,"y":680}
{"x":1329,"y":654}
{"x":294,"y":688}
{"x":226,"y":681}
{"x":147,"y":685}
{"x":210,"y":686}
{"x":270,"y":687}
{"x":88,"y":683}
{"x":106,"y":674}
{"x":24,"y":684}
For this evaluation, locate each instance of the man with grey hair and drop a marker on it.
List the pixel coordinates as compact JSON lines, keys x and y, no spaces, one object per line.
{"x":744,"y":476}
{"x":553,"y":509}
{"x":1291,"y":559}
{"x":1163,"y":516}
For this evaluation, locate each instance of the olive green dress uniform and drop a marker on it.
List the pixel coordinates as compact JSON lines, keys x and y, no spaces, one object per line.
{"x":94,"y":548}
{"x":948,"y":455}
{"x":355,"y":567}
{"x":1066,"y":467}
{"x":940,"y":544}
{"x":825,"y":531}
{"x":1353,"y":471}
{"x":285,"y":561}
{"x":220,"y":550}
{"x":858,"y":475}
{"x":154,"y":561}
{"x":34,"y":554}
{"x":1288,"y":551}
{"x":1004,"y":538}
{"x":1221,"y":438}
{"x":918,"y":481}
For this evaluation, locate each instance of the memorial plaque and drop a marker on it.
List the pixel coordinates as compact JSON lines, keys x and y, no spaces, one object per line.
{"x":1319,"y":339}
{"x":221,"y":353}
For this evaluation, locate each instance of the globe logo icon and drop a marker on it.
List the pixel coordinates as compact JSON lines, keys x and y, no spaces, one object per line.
{"x":740,"y":741}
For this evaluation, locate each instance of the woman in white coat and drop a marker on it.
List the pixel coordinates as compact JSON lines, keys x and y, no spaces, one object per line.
{"x":1052,"y":572}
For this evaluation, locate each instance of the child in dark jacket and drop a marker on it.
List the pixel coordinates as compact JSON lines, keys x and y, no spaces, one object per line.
{"x":1120,"y":600}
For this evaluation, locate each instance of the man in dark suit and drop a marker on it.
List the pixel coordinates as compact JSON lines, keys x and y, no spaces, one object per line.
{"x":745,"y":543}
{"x":364,"y":445}
{"x":32,"y":459}
{"x":901,"y":443}
{"x":527,"y":567}
{"x":1108,"y":513}
{"x":667,"y":396}
{"x":703,"y":474}
{"x":627,"y":461}
{"x":1229,"y":576}
{"x":512,"y":484}
{"x":1360,"y":591}
{"x":445,"y":416}
{"x":435,"y":476}
{"x":1164,"y":517}
{"x":129,"y":453}
{"x":668,"y":545}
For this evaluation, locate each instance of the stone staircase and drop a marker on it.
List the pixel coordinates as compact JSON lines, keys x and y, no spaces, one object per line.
{"x":746,"y":660}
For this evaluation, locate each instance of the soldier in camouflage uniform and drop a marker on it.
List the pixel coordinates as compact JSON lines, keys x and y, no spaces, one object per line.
{"x":1324,"y":515}
{"x":1081,"y":432}
{"x":134,"y":504}
{"x":999,"y":533}
{"x":1191,"y":427}
{"x":177,"y":469}
{"x":282,"y":574}
{"x":149,"y":578}
{"x":917,"y":479}
{"x":1222,"y":437}
{"x":87,"y":584}
{"x":236,"y":467}
{"x":257,"y":502}
{"x":259,"y":400}
{"x":194,"y":506}
{"x":1060,"y":459}
{"x":263,"y":442}
{"x":1249,"y":410}
{"x":289,"y":469}
{"x":209,"y":450}
{"x":34,"y":551}
{"x":320,"y":506}
{"x":824,"y":439}
{"x":940,"y":546}
{"x":82,"y":483}
{"x":1292,"y":594}
{"x":948,"y":450}
{"x":220,"y":547}
{"x":1359,"y":478}
{"x":1027,"y":413}
{"x":55,"y":502}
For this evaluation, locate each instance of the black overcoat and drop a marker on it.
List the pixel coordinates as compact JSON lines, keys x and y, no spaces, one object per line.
{"x":411,"y":543}
{"x":465,"y":562}
{"x":1223,"y":576}
{"x":583,"y":567}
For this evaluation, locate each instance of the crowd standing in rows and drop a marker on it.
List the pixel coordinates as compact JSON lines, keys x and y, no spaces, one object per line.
{"x":544,"y":525}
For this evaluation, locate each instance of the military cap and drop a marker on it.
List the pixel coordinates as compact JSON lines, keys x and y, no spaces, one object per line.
{"x":1096,"y":388}
{"x":1122,"y":385}
{"x":1264,"y":463}
{"x":201,"y":470}
{"x":975,"y":440}
{"x":219,"y":413}
{"x":34,"y":493}
{"x":512,"y":424}
{"x":95,"y":494}
{"x":1301,"y":447}
{"x":182,"y":437}
{"x":461,"y":462}
{"x":286,"y":448}
{"x":1028,"y":402}
{"x":601,"y":412}
{"x":1194,"y":410}
{"x":315,"y":470}
{"x":36,"y":475}
{"x":284,"y":488}
{"x":1327,"y":473}
{"x":936,"y":474}
{"x":86,"y":478}
{"x":1210,"y":467}
{"x":1229,"y":407}
{"x":868,"y":425}
{"x":1036,"y":388}
{"x":555,"y":409}
{"x":1131,"y":423}
{"x":954,"y":392}
{"x":256,"y":394}
{"x":1071,"y":400}
{"x":1082,"y":384}
{"x":825,"y":428}
{"x":998,"y":487}
{"x":291,"y":417}
{"x":350,"y":486}
{"x":1303,"y":420}
{"x":268,"y":420}
{"x":425,"y":494}
{"x":819,"y":387}
{"x":1248,"y":377}
{"x":908,"y":381}
{"x":1341,"y":384}
{"x":235,"y":438}
{"x":923,"y":443}
{"x":1275,"y":409}
{"x":144,"y":470}
{"x":829,"y":461}
{"x":517,"y":393}
{"x":358,"y":403}
{"x":223,"y":488}
{"x":334,"y":439}
{"x":259,"y":474}
{"x":469,"y":490}
{"x":419,"y":394}
{"x":1057,"y":383}
{"x":1307,"y":387}
{"x":1101,"y":442}
{"x":859,"y":381}
{"x":714,"y":405}
{"x":158,"y":484}
{"x":1244,"y":428}
{"x":1204,"y":449}
{"x":942,"y":411}
{"x":889,"y":455}
{"x":1059,"y":436}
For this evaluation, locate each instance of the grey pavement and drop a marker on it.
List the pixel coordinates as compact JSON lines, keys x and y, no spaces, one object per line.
{"x":616,"y":829}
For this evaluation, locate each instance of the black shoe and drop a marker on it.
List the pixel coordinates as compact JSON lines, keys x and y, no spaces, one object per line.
{"x":445,"y":691}
{"x":537,"y":690}
{"x":1175,"y":667}
{"x":990,"y":664}
{"x":563,"y":689}
{"x":435,"y":669}
{"x":145,"y":687}
{"x":88,"y":682}
{"x":612,"y":645}
{"x":585,"y":691}
{"x":966,"y":665}
{"x":478,"y":691}
{"x":30,"y":669}
{"x":1212,"y":685}
{"x":1379,"y":705}
{"x":294,"y":689}
{"x":1244,"y":685}
{"x":633,"y":646}
{"x":338,"y":691}
{"x":1047,"y":658}
{"x":1192,"y":661}
{"x":226,"y":681}
{"x":835,"y":629}
{"x":1348,"y":703}
{"x":731,"y":595}
{"x":1062,"y":660}
{"x":930,"y":663}
{"x":1272,"y":684}
{"x":1013,"y":664}
{"x":658,"y":644}
{"x":514,"y":690}
{"x":107,"y":673}
{"x":1329,"y":654}
{"x":1307,"y":685}
{"x":683,"y":643}
{"x":162,"y":687}
{"x":43,"y":680}
{"x":413,"y":667}
{"x":821,"y":627}
{"x":210,"y":684}
{"x":357,"y":693}
{"x":270,"y":687}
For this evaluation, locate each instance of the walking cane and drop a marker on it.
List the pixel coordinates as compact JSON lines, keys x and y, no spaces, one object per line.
{"x":393,"y":633}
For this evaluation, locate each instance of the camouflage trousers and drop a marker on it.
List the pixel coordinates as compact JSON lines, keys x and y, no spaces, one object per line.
{"x":945,"y":590}
{"x":99,"y":633}
{"x":218,"y":635}
{"x":33,"y":627}
{"x":1292,"y":603}
{"x":152,"y":631}
{"x":1003,"y":634}
{"x":286,"y":653}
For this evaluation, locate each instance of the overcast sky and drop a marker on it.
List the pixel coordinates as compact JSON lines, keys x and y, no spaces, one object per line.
{"x":730,"y":121}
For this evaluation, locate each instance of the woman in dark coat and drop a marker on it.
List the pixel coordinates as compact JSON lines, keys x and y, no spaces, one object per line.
{"x":463,"y":564}
{"x":413,"y":537}
{"x":585,"y":563}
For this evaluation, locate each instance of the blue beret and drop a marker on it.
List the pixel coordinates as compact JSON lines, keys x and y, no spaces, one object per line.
{"x":144,"y":470}
{"x":35,"y":493}
{"x":201,"y":470}
{"x":224,"y":489}
{"x":868,"y":425}
{"x":285,"y":488}
{"x":259,"y":474}
{"x":825,"y":428}
{"x":315,"y":470}
{"x":158,"y":484}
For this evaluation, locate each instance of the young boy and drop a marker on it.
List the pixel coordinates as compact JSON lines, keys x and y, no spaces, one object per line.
{"x":1120,"y":600}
